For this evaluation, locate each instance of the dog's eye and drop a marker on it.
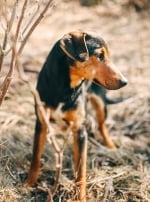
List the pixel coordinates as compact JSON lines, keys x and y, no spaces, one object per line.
{"x":101,"y":56}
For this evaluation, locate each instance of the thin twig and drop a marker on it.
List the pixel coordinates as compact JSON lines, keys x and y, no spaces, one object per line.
{"x":43,"y":115}
{"x":10,"y":173}
{"x":8,"y":77}
{"x":100,"y":179}
{"x":31,"y":19}
{"x":108,"y":190}
{"x":15,"y":52}
{"x":59,"y":160}
{"x":20,"y":20}
{"x":7,"y":31}
{"x":37,"y":21}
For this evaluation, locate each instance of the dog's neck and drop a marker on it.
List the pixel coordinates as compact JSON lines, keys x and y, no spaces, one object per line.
{"x":71,"y":101}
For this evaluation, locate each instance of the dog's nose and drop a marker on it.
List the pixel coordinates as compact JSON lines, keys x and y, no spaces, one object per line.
{"x":123,"y":82}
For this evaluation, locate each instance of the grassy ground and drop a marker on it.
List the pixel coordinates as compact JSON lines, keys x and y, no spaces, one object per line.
{"x":121,"y":175}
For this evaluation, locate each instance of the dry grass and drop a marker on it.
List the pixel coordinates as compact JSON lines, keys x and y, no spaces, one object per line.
{"x":116,"y":176}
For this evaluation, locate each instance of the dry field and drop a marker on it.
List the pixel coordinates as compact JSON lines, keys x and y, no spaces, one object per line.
{"x":122,"y":175}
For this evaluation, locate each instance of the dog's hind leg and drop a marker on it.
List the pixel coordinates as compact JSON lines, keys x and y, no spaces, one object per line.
{"x":99,"y":108}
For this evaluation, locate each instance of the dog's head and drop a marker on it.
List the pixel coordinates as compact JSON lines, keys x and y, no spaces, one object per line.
{"x":91,"y":60}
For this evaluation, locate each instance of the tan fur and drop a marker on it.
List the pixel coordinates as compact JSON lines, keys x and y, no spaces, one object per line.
{"x":91,"y":68}
{"x":98,"y":106}
{"x":103,"y":73}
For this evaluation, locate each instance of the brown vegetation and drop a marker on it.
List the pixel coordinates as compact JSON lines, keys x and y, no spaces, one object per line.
{"x":121,"y":175}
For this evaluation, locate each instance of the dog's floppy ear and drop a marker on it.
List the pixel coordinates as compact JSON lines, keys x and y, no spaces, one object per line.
{"x":74,"y":46}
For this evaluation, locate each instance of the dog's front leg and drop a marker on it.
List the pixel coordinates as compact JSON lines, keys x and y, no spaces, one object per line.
{"x":80,"y":157}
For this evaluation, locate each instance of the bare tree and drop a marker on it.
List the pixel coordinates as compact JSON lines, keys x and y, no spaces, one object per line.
{"x":17,"y":25}
{"x":16,"y":29}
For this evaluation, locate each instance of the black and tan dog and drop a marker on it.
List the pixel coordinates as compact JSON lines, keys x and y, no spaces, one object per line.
{"x":76,"y":58}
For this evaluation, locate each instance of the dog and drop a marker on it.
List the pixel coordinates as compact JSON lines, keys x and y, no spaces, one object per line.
{"x":75,"y":60}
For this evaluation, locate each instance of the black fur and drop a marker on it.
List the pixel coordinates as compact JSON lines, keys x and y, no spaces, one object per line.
{"x":94,"y":43}
{"x":54,"y":80}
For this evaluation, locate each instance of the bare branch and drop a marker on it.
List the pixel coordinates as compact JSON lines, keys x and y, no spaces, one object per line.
{"x":42,"y":112}
{"x":17,"y":52}
{"x":37,"y":21}
{"x":8,"y":77}
{"x":20,"y":20}
{"x":31,"y":19}
{"x":7,"y":31}
{"x":3,"y":47}
{"x":44,"y":117}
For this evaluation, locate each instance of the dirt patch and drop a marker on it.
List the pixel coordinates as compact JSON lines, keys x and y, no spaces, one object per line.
{"x":121,"y":175}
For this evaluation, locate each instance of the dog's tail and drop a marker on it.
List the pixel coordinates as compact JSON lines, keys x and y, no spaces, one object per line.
{"x":109,"y":101}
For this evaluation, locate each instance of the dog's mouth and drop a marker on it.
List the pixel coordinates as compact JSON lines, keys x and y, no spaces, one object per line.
{"x":112,"y":85}
{"x":98,"y":83}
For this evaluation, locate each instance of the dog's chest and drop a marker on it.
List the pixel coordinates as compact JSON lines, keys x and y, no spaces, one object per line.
{"x":73,"y":119}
